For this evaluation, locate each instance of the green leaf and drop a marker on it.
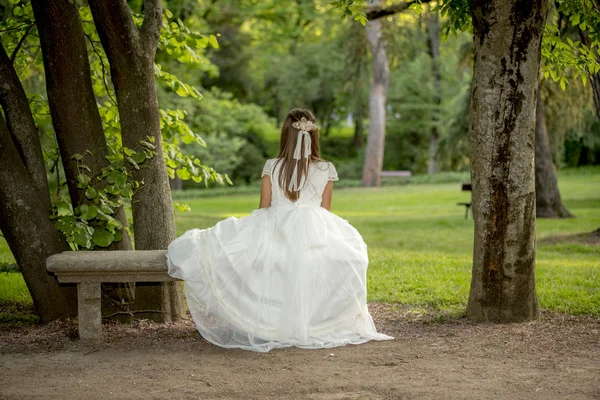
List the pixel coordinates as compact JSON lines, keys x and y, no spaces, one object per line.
{"x":90,"y":193}
{"x":213,"y":41}
{"x":102,"y":237}
{"x":182,"y":207}
{"x":132,"y":162}
{"x":83,"y":181}
{"x":183,"y":174}
{"x":77,"y":157}
{"x":91,"y":213}
{"x":139,"y":157}
{"x":81,"y":238}
{"x":63,"y":209}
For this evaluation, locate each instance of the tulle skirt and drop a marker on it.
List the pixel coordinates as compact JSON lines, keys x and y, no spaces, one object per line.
{"x":282,"y":276}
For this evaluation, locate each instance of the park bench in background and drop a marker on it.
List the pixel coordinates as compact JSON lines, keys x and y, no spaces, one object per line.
{"x":89,"y":269}
{"x":466,"y":187}
{"x":396,"y":174}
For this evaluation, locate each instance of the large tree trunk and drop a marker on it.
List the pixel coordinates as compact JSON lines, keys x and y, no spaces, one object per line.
{"x":377,"y":102}
{"x":548,"y":203}
{"x":507,"y":39}
{"x":433,"y":44}
{"x":25,"y":202}
{"x":131,"y":51}
{"x":77,"y":124}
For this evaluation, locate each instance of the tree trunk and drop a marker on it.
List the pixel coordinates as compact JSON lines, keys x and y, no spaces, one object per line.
{"x":29,"y":232}
{"x":176,"y":184}
{"x":358,"y":137}
{"x":594,"y":78}
{"x":548,"y":203}
{"x":377,"y":102}
{"x":77,"y":124}
{"x":25,"y":202}
{"x":131,"y":51}
{"x":507,"y":39}
{"x":433,"y":44}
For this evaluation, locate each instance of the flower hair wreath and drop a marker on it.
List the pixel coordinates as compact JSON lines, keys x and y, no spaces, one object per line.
{"x":304,"y":126}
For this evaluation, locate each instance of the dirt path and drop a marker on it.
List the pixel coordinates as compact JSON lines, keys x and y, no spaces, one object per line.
{"x":557,"y":357}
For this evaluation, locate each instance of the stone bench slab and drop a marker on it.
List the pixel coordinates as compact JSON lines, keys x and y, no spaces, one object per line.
{"x":109,"y":266}
{"x":90,"y":268}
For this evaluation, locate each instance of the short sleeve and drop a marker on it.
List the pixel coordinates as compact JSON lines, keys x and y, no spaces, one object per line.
{"x":333,"y":176}
{"x":267,"y":169}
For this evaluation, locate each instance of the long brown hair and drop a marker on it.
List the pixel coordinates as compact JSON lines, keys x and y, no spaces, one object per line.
{"x":287,"y":145}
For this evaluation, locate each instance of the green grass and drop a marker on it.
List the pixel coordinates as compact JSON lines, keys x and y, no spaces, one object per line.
{"x":420,"y":245}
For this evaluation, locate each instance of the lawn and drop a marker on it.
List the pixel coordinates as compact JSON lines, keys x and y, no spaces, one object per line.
{"x":420,"y":245}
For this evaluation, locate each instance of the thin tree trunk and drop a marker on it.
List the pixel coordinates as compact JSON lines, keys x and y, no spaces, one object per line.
{"x":594,"y":78}
{"x":358,"y":137}
{"x":507,"y":39}
{"x":176,"y":184}
{"x":77,"y":124}
{"x":377,"y":103}
{"x":548,"y":202}
{"x":131,"y":51}
{"x":433,"y":44}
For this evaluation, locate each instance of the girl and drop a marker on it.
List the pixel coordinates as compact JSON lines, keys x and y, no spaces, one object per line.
{"x":289,"y":274}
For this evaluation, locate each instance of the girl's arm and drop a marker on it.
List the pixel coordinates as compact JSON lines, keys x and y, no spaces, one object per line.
{"x":327,"y":194}
{"x":265,"y":192}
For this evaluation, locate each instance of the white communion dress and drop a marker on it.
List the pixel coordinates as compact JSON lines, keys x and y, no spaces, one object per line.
{"x":292,"y":274}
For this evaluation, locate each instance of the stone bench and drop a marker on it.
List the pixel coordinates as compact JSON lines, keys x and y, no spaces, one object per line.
{"x":407,"y":175}
{"x":89,"y":269}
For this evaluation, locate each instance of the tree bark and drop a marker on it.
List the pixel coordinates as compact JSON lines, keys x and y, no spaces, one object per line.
{"x":131,"y":51}
{"x":75,"y":116}
{"x":29,"y":232}
{"x":358,"y":136}
{"x":25,"y":202}
{"x":433,"y":45}
{"x":377,"y":102}
{"x":507,"y":40}
{"x":548,"y":203}
{"x":594,"y":78}
{"x":21,"y":125}
{"x":77,"y":124}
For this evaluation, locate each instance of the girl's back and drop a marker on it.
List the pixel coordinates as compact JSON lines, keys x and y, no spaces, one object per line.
{"x":311,"y":188}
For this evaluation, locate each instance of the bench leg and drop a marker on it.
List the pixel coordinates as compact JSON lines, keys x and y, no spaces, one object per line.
{"x":89,"y":312}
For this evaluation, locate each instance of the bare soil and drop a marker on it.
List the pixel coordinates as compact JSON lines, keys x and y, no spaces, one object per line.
{"x":555,"y":357}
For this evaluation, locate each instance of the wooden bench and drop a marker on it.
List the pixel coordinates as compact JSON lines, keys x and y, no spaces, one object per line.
{"x":396,"y":174}
{"x":89,"y":269}
{"x":466,"y":187}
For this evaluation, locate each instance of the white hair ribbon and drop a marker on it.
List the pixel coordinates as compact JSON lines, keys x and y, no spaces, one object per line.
{"x":304,"y":127}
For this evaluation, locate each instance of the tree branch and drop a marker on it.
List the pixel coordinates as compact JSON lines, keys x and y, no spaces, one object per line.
{"x":117,"y":31}
{"x":20,"y":44}
{"x":376,"y":13}
{"x":152,"y":22}
{"x":19,"y":121}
